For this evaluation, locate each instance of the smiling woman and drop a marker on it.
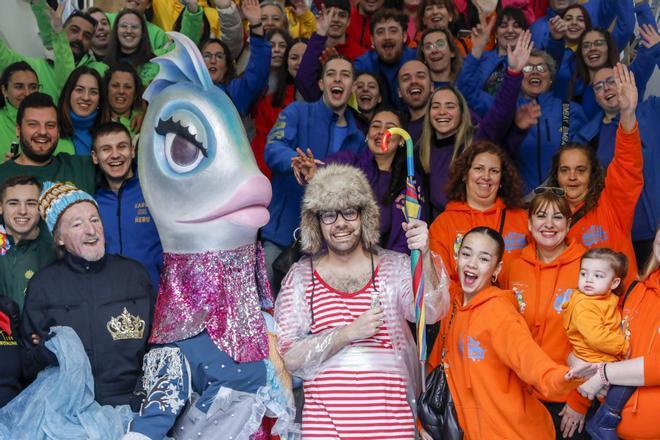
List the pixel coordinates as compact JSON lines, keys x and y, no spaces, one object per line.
{"x":82,"y":106}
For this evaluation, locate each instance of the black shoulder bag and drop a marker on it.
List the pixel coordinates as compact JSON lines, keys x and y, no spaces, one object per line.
{"x":435,"y":406}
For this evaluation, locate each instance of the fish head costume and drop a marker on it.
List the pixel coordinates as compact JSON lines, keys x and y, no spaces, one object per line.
{"x":197,"y":170}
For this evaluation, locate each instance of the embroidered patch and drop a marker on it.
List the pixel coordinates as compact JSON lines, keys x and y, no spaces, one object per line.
{"x":514,"y":240}
{"x":475,"y":352}
{"x":522,"y":305}
{"x":163,"y":379}
{"x":594,"y":235}
{"x":126,"y":326}
{"x":4,"y":241}
{"x":29,"y":274}
{"x":457,"y":245}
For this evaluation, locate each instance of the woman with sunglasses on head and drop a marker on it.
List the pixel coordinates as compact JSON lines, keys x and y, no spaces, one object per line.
{"x":602,"y":206}
{"x":543,"y":279}
{"x":490,"y":358}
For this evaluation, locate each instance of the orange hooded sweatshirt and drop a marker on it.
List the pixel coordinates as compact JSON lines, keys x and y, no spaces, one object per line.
{"x":458,"y":218}
{"x":491,"y":357}
{"x":641,"y":314}
{"x":593,"y":326}
{"x":609,"y":224}
{"x":541,"y":289}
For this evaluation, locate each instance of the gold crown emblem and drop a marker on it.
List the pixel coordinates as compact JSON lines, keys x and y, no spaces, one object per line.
{"x":126,"y":326}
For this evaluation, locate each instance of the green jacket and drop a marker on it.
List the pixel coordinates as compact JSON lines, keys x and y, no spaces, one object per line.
{"x":20,"y":261}
{"x":8,"y":133}
{"x":52,"y":74}
{"x":78,"y":170}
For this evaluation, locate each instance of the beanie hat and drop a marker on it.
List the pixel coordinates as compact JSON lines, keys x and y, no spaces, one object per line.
{"x":334,"y":188}
{"x":56,"y":197}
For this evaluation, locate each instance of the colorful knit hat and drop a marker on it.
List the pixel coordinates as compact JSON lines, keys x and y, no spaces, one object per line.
{"x":56,"y":197}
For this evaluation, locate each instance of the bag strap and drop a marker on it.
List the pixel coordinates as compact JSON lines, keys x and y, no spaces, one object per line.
{"x":444,"y":334}
{"x":502,"y":220}
{"x":565,"y":122}
{"x":628,"y":290}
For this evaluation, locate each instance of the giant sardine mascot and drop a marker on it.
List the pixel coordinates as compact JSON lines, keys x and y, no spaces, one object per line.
{"x":209,"y":375}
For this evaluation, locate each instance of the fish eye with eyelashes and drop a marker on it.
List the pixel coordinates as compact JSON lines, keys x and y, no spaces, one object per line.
{"x":184,"y":150}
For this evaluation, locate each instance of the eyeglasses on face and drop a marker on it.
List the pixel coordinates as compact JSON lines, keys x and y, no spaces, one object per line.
{"x":132,"y":27}
{"x":540,"y":68}
{"x":440,"y":44}
{"x":208,"y":56}
{"x":600,"y":85}
{"x":329,"y":217}
{"x":559,"y":192}
{"x":596,"y":43}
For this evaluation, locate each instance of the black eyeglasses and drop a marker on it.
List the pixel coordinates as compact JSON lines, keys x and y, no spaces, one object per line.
{"x":329,"y":217}
{"x":559,"y":192}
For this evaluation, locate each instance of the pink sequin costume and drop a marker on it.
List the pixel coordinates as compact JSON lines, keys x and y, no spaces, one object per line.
{"x":220,"y":291}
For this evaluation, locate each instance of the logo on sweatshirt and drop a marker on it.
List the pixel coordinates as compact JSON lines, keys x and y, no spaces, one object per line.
{"x":514,"y":240}
{"x":594,"y":235}
{"x":561,"y":298}
{"x":474,"y":351}
{"x":520,"y":298}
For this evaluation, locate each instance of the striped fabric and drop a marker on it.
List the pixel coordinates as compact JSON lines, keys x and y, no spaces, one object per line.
{"x":351,"y":399}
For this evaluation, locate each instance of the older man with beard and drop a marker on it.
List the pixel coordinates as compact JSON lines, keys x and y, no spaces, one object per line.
{"x":38,"y":132}
{"x":415,"y":89}
{"x":107,"y":300}
{"x":388,"y":29}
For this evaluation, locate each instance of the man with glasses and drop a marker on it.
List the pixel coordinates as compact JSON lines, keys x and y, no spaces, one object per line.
{"x":600,"y":133}
{"x":342,"y":313}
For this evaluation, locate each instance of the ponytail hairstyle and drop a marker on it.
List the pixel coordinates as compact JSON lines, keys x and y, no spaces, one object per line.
{"x":617,"y":261}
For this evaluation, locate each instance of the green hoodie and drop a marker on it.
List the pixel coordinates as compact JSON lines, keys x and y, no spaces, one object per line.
{"x":20,"y":261}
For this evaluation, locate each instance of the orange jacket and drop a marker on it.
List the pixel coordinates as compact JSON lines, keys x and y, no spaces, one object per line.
{"x":458,"y":218}
{"x":641,"y":314}
{"x":541,"y":290}
{"x":490,"y":357}
{"x":593,"y":326}
{"x":609,"y":224}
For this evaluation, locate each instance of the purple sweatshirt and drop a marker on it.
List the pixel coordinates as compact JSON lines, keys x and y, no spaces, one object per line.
{"x":496,"y":126}
{"x":391,"y":216}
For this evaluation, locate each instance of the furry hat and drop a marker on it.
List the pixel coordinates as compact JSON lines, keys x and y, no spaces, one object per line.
{"x":334,"y":188}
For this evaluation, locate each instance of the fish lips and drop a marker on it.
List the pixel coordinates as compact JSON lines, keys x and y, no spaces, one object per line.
{"x":248,"y":206}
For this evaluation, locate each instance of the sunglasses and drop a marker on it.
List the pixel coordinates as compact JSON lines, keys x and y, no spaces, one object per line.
{"x":540,"y":68}
{"x":559,"y":192}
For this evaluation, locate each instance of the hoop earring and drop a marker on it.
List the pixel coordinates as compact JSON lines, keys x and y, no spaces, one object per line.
{"x":494,"y":278}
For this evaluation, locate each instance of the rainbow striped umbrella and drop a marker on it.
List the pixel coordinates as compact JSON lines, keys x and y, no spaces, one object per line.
{"x":413,"y":210}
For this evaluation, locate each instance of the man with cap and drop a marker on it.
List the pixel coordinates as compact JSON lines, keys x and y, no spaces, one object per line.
{"x":108,"y":300}
{"x":342,"y":313}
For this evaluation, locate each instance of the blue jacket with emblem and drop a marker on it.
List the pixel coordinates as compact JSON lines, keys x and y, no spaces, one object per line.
{"x":304,"y":125}
{"x":129,"y":228}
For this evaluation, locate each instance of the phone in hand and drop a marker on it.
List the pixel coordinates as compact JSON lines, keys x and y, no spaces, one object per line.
{"x":14,"y":150}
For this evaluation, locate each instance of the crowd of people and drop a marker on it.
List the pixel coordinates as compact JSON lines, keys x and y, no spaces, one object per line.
{"x":537,"y":169}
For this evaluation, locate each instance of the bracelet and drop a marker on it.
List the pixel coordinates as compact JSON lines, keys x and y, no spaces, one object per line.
{"x":603,"y":374}
{"x":255,"y":26}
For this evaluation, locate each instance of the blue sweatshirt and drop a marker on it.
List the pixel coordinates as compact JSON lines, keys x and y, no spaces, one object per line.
{"x":369,"y":62}
{"x":304,"y":125}
{"x":129,"y":228}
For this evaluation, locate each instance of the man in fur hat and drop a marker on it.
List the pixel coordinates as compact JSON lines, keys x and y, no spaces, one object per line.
{"x":342,"y":313}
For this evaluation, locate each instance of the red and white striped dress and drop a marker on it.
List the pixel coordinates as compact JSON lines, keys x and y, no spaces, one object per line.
{"x":360,"y":394}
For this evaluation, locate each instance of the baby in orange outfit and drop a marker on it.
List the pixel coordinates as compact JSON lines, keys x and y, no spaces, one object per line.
{"x":592,"y":318}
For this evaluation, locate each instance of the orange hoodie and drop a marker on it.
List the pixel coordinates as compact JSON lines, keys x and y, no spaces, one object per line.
{"x":609,"y":224}
{"x":641,"y":314}
{"x":490,"y":358}
{"x":458,"y":218}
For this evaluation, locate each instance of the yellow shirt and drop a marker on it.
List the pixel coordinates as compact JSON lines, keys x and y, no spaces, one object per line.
{"x":593,"y":327}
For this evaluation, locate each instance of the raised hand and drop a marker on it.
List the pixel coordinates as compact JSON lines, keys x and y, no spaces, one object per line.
{"x":627,"y":94}
{"x":299,"y":7}
{"x":527,"y":115}
{"x":56,"y":17}
{"x":557,"y":28}
{"x":324,"y":20}
{"x":650,"y":35}
{"x":304,"y":165}
{"x":251,"y":11}
{"x":481,"y":34}
{"x":518,"y":57}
